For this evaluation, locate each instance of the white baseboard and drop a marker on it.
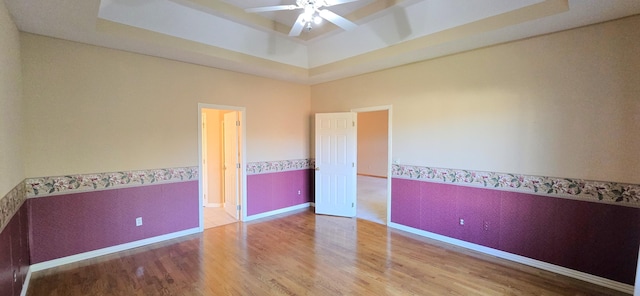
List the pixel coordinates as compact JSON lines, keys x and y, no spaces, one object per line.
{"x":109,"y":250}
{"x":622,"y":287}
{"x":276,"y":212}
{"x":25,"y":285}
{"x":213,"y":205}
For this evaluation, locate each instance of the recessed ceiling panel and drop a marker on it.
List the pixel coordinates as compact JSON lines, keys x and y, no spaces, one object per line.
{"x":402,"y":24}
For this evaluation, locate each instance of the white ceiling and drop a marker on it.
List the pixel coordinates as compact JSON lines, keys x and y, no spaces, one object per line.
{"x":218,"y":33}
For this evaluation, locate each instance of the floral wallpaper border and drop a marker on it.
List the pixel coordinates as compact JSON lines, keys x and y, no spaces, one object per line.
{"x":56,"y":185}
{"x":598,"y":191}
{"x":45,"y":186}
{"x":265,"y":167}
{"x":11,"y":203}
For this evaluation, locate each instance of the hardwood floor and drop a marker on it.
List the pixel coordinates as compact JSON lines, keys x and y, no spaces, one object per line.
{"x":303,"y":254}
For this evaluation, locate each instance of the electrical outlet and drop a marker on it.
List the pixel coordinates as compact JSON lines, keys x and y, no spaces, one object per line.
{"x":461,"y":222}
{"x":139,"y":221}
{"x":299,"y":192}
{"x":486,"y":226}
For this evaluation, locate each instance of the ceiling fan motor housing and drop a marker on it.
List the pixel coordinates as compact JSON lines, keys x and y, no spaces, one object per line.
{"x":310,"y":4}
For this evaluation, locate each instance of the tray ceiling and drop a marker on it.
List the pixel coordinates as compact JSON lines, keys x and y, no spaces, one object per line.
{"x":219,"y":33}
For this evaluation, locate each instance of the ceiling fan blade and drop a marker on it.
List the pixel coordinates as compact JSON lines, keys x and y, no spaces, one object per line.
{"x":272,"y":8}
{"x":337,"y":2}
{"x":337,"y":20}
{"x":297,"y":27}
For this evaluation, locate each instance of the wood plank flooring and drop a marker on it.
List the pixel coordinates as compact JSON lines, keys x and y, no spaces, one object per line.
{"x":303,"y":254}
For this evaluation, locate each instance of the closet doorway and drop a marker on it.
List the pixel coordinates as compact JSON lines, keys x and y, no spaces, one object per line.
{"x":221,"y":169}
{"x":374,"y":163}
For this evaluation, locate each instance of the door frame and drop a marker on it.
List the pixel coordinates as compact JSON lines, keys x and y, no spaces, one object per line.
{"x":229,"y":124}
{"x":389,"y":109}
{"x":242,"y":160}
{"x":204,"y":157}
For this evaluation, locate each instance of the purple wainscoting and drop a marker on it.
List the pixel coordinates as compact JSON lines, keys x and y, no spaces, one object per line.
{"x":14,"y":253}
{"x":405,"y":208}
{"x":598,"y":239}
{"x":71,"y":224}
{"x":274,"y":191}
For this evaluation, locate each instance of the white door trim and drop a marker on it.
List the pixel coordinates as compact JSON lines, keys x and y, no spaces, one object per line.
{"x":231,"y":157}
{"x":204,"y":158}
{"x":389,"y":109}
{"x":243,"y":156}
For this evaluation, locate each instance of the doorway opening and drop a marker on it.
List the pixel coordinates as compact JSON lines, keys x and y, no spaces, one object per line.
{"x":221,"y":155}
{"x":374,"y":164}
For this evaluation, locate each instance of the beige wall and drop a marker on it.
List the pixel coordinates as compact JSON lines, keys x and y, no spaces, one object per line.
{"x":92,"y":109}
{"x":11,"y":109}
{"x":565,"y":105}
{"x":373,"y":143}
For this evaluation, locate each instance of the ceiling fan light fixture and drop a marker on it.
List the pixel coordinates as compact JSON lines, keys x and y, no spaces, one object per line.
{"x":308,"y":15}
{"x":312,"y":14}
{"x":309,"y":9}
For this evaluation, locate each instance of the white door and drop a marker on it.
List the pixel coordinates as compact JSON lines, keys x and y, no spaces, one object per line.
{"x":231,"y":163}
{"x":335,"y":173}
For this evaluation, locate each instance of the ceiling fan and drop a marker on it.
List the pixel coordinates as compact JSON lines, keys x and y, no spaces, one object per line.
{"x":313,"y":13}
